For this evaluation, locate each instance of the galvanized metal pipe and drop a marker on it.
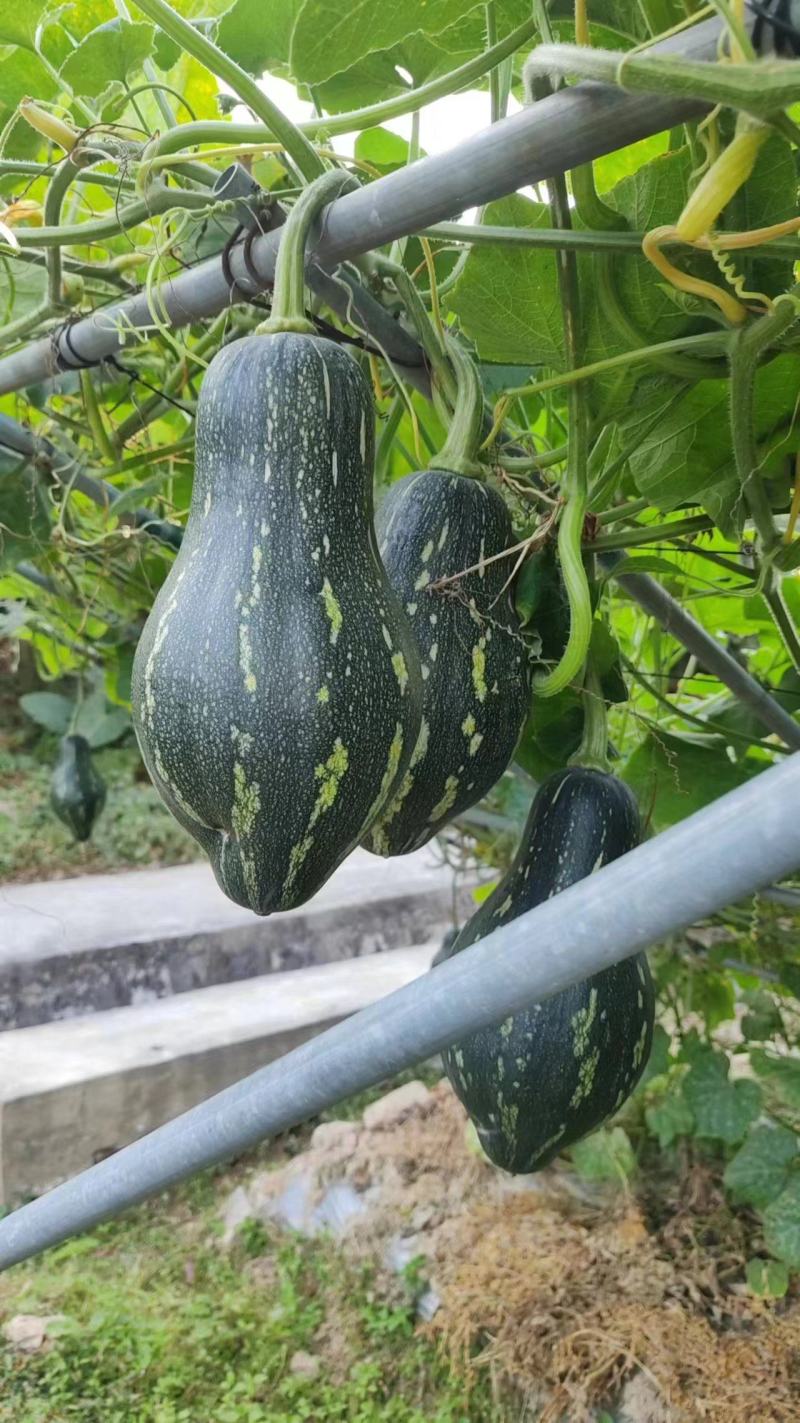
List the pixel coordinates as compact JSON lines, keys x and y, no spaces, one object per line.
{"x":712,"y":655}
{"x":741,"y":843}
{"x":558,"y":133}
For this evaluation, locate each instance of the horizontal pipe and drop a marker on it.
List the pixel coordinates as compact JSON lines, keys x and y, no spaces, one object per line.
{"x":560,"y":132}
{"x":740,"y":843}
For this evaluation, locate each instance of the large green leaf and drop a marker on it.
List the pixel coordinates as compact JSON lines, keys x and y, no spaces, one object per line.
{"x":782,"y":1225}
{"x":769,"y":196}
{"x":24,"y":288}
{"x":650,"y":197}
{"x":256,"y":35}
{"x":21,"y":74}
{"x":48,"y":709}
{"x":331,"y":35}
{"x":722,"y":1109}
{"x":677,"y":776}
{"x":690,"y":451}
{"x":669,"y":1119}
{"x":108,"y":55}
{"x":382,"y":148}
{"x":760,"y":1169}
{"x":507,"y":299}
{"x":606,"y":1155}
{"x":782,"y":1074}
{"x":19,"y":21}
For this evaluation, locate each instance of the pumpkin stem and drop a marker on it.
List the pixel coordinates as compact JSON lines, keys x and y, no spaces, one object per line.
{"x":288,"y":291}
{"x":593,"y":750}
{"x":459,"y":452}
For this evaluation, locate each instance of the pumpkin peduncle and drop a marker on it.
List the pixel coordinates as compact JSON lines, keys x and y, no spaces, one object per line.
{"x":460,"y":450}
{"x":288,"y":292}
{"x":593,"y":750}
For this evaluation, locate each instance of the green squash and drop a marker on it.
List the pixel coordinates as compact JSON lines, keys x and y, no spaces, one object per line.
{"x":276,"y":686}
{"x":433,"y":526}
{"x":550,"y":1074}
{"x":77,"y":790}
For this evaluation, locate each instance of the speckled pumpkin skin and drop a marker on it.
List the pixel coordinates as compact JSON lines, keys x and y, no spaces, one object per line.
{"x":77,"y":790}
{"x":276,"y":687}
{"x":542,"y":1079}
{"x":475,"y":667}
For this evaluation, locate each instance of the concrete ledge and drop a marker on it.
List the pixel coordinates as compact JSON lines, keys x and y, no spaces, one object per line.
{"x":78,"y":946}
{"x":71,"y":1092}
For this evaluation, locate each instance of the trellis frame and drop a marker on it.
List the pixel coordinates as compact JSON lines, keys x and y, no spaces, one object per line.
{"x":740,"y":843}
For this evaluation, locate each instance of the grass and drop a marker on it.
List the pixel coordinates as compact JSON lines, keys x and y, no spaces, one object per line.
{"x":134,"y":830}
{"x":162,"y":1324}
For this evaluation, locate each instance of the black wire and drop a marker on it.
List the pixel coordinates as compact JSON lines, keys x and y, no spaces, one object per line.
{"x":775,"y":16}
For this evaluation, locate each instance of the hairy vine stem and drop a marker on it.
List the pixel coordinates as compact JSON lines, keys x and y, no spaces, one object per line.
{"x":159,"y":199}
{"x":593,"y":750}
{"x":624,"y":243}
{"x":288,"y":291}
{"x":460,"y":450}
{"x":652,"y":533}
{"x":759,"y":88}
{"x":574,"y":485}
{"x":355,"y":120}
{"x":296,"y":145}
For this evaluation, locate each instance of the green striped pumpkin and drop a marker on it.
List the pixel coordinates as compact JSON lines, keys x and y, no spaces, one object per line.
{"x":542,"y":1079}
{"x":475,"y":668}
{"x":276,"y":688}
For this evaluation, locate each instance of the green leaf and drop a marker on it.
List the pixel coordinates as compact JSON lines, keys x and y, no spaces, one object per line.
{"x":167,"y":52}
{"x":767,"y":1279}
{"x":22,"y":73}
{"x":382,"y":148}
{"x":19,"y":21}
{"x":782,"y":1225}
{"x":623,"y":162}
{"x":102,"y":727}
{"x":645,"y":563}
{"x":782,"y":1074}
{"x":689,"y":453}
{"x":118,"y":674}
{"x":108,"y":55}
{"x":25,"y":287}
{"x":763,"y":1019}
{"x":713,"y":997}
{"x":677,"y":776}
{"x":552,"y":733}
{"x":606,"y":1155}
{"x":606,"y":657}
{"x":769,"y":196}
{"x":759,"y":1171}
{"x":722,"y":1109}
{"x":24,"y":519}
{"x":790,"y":977}
{"x":48,"y":709}
{"x":669,"y":1119}
{"x":256,"y":35}
{"x":329,"y":37}
{"x":507,"y":298}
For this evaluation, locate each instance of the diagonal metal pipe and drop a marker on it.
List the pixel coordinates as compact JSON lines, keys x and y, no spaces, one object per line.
{"x":711,"y":655}
{"x":712,"y":859}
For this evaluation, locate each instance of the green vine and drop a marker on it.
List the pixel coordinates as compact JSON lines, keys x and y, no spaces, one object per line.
{"x":288,"y":293}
